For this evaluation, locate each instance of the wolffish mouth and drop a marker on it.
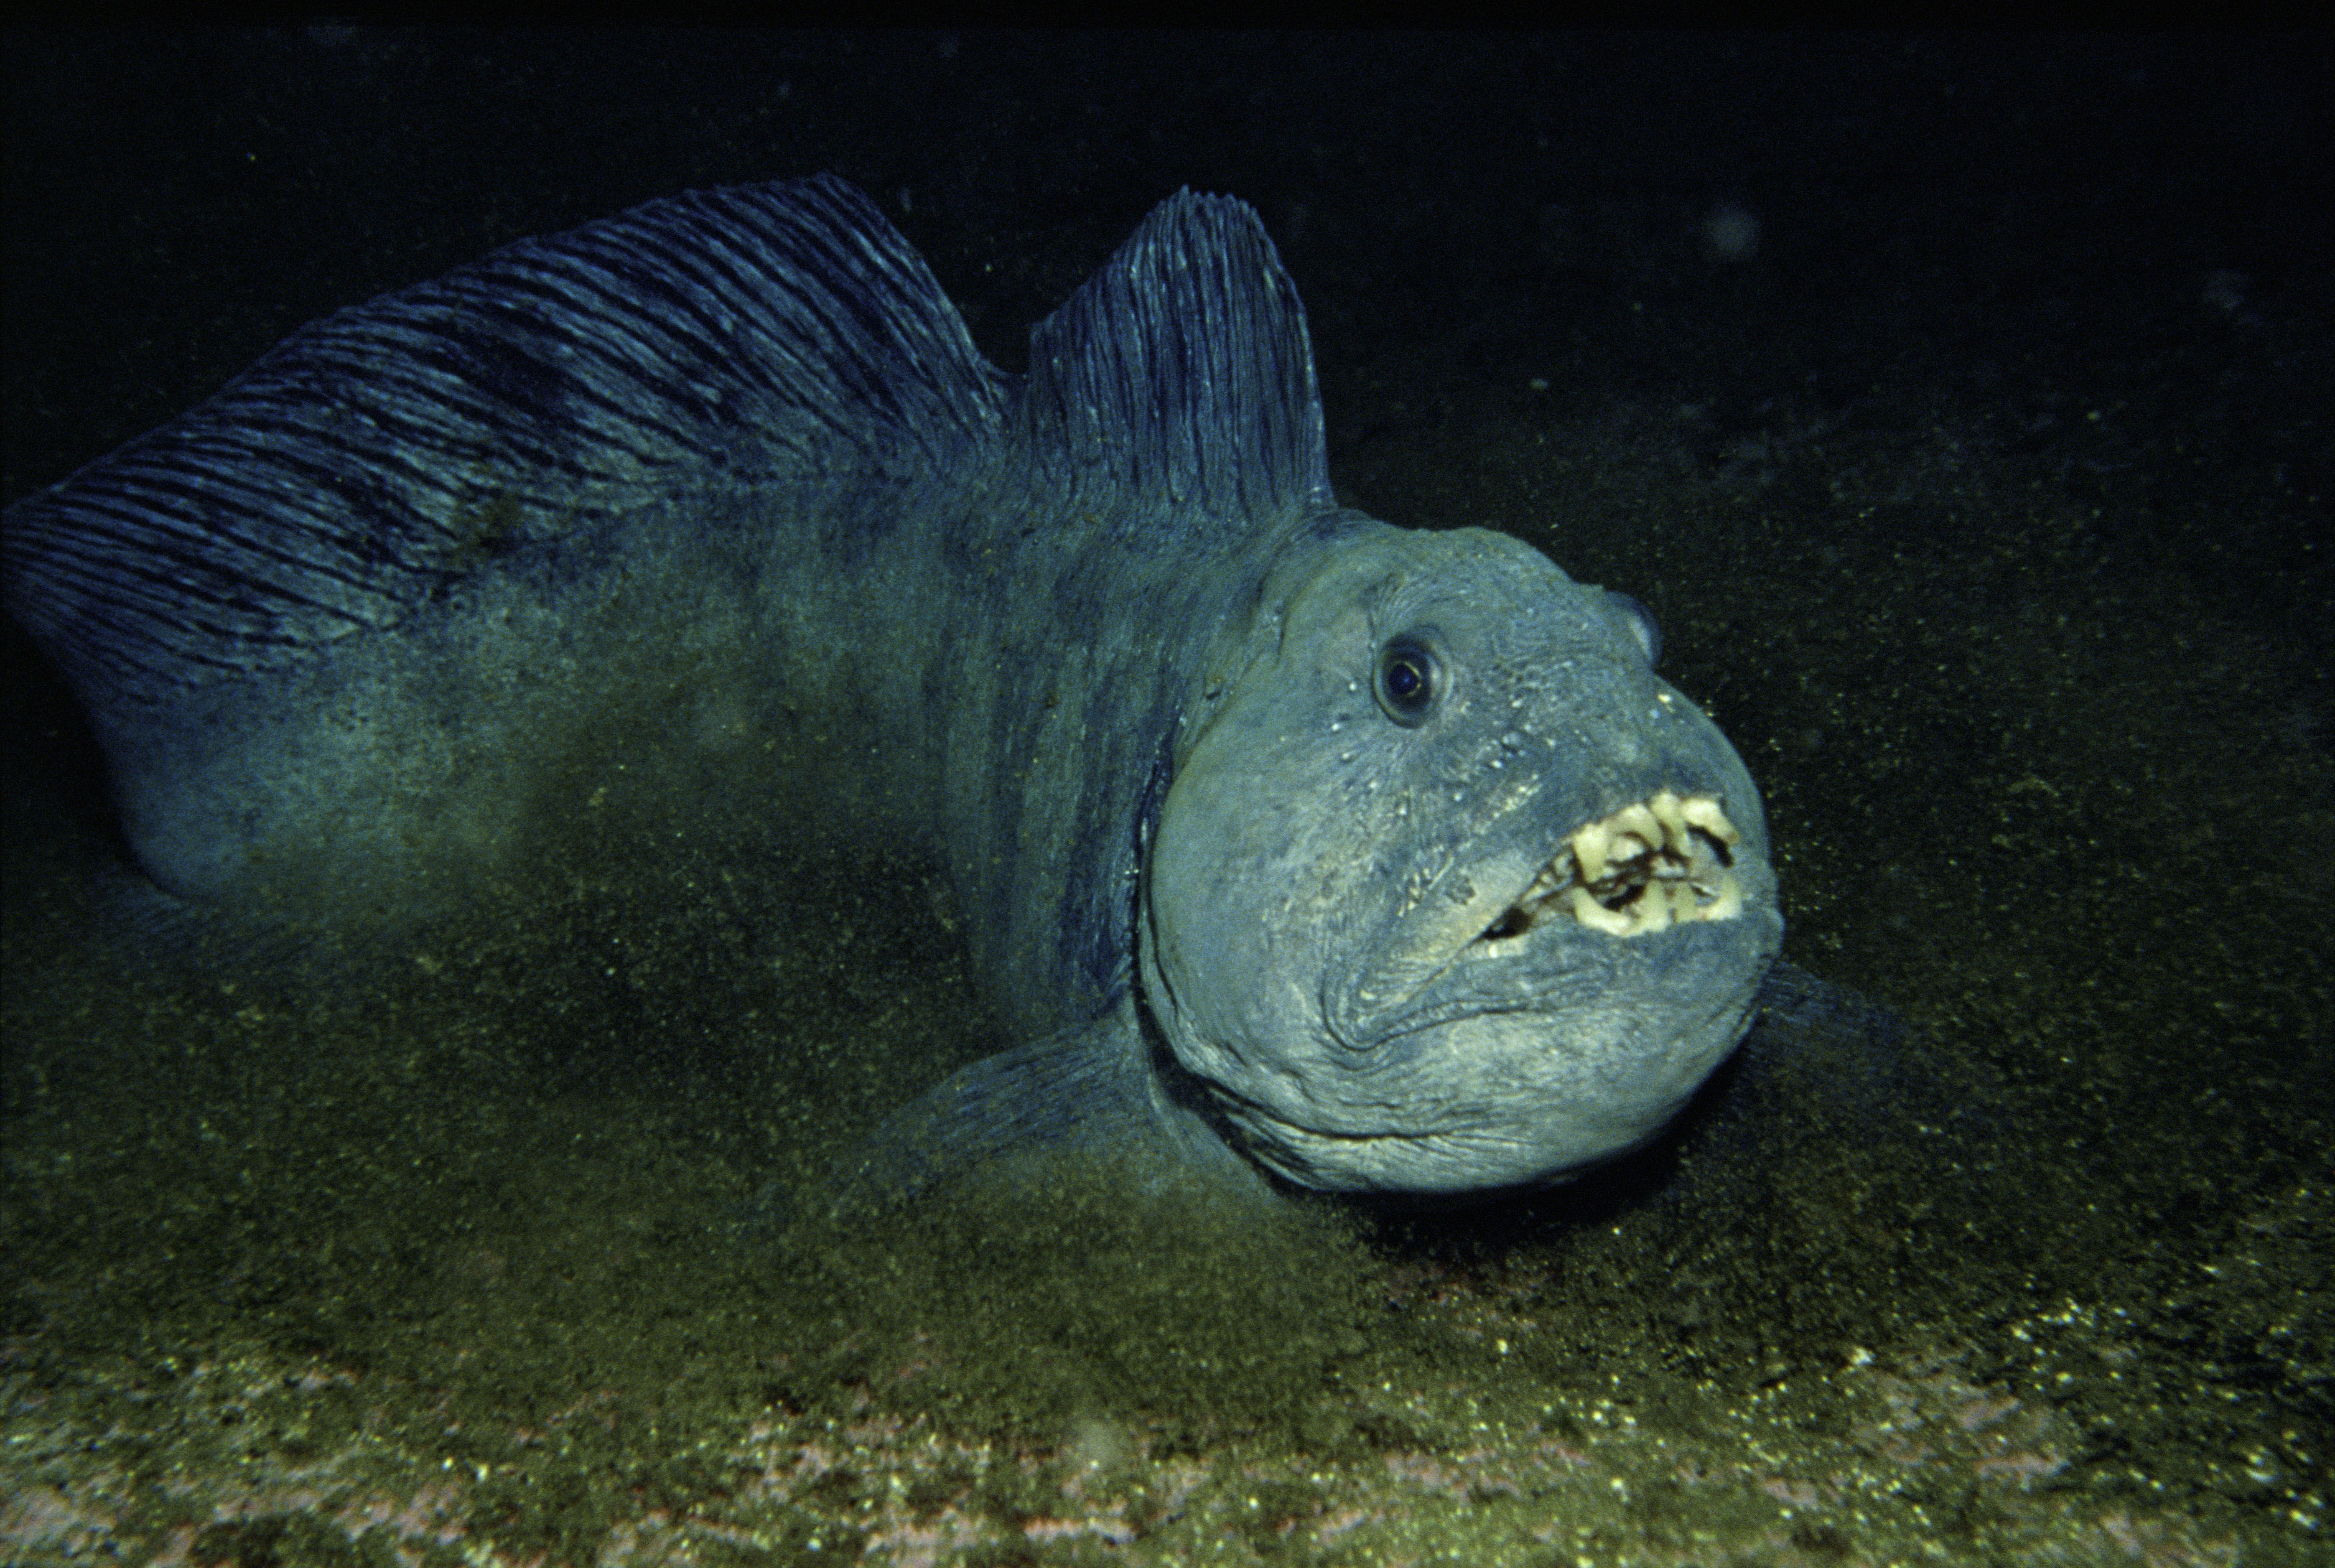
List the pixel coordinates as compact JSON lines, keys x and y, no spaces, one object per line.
{"x":1667,"y":860}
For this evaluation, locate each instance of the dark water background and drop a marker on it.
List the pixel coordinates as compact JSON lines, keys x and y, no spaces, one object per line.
{"x":1961,"y":407}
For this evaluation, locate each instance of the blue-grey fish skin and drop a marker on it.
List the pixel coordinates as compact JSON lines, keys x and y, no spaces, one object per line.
{"x":332,"y":626}
{"x":1290,"y":841}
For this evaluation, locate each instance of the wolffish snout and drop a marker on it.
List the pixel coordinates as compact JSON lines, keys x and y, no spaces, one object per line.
{"x":1666,"y":860}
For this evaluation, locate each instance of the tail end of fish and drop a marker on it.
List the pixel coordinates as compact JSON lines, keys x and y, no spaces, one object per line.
{"x":273,"y":608}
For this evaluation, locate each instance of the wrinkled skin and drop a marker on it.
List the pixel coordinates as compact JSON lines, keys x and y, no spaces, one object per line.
{"x":1340,"y":932}
{"x":1291,"y":842}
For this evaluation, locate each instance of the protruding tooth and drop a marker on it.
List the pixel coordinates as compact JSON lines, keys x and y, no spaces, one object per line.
{"x":1653,"y":909}
{"x":1589,"y":847}
{"x":1596,"y":916}
{"x":1648,"y":853}
{"x":1702,"y":811}
{"x":1637,"y":819}
{"x":1665,"y":805}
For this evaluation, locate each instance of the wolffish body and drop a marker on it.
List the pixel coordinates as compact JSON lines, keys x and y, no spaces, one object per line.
{"x":1292,"y":842}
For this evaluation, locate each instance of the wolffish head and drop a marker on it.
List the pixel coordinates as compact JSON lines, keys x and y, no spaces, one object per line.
{"x":1451,"y":892}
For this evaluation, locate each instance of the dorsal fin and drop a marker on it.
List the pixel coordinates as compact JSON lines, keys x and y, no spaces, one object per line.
{"x":1180,"y":372}
{"x":780,"y":334}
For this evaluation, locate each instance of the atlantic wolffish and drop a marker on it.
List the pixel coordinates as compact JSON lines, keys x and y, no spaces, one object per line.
{"x":1290,"y":842}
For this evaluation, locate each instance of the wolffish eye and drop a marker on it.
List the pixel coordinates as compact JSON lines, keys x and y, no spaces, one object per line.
{"x":1643,"y":624}
{"x":1409,"y":680}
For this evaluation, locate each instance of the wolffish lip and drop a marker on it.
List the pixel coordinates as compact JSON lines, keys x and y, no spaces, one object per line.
{"x":1663,"y":861}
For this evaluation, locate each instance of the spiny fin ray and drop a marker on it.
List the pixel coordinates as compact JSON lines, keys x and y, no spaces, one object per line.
{"x":1180,"y":374}
{"x":782,"y":335}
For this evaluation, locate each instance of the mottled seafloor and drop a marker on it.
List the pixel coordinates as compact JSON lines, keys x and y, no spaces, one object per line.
{"x":1962,"y":408}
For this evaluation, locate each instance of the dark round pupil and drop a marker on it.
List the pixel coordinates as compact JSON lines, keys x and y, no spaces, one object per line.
{"x":1408,"y":682}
